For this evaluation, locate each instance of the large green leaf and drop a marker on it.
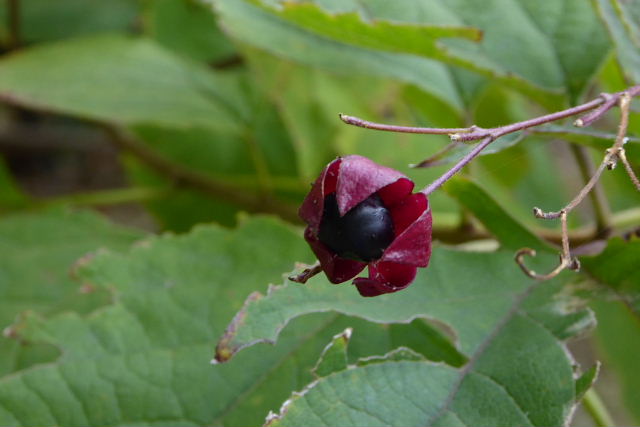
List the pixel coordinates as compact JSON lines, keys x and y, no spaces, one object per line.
{"x":120,"y":79}
{"x":394,"y":39}
{"x":187,"y":28}
{"x":508,"y":326}
{"x":260,"y":160}
{"x":618,"y":339}
{"x":617,"y":265}
{"x":503,"y":226}
{"x":37,"y":253}
{"x":43,"y":20}
{"x":259,"y":27}
{"x":145,"y":359}
{"x":624,"y":30}
{"x":38,"y":250}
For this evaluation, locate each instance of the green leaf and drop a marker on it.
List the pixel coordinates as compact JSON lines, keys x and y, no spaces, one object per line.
{"x":521,"y":376}
{"x":617,"y":265}
{"x":43,"y":20}
{"x":618,"y":342}
{"x":383,"y":35}
{"x":38,"y":250}
{"x":586,"y":380}
{"x":258,"y":27}
{"x":259,"y":160}
{"x":147,"y":355}
{"x":188,"y":28}
{"x":623,"y":27}
{"x":397,"y":355}
{"x":396,"y":39}
{"x":116,"y":79}
{"x":489,"y":282}
{"x":334,"y":355}
{"x":509,"y":232}
{"x":427,"y":339}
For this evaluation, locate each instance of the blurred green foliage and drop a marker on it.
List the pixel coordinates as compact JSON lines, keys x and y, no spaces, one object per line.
{"x":222,"y":107}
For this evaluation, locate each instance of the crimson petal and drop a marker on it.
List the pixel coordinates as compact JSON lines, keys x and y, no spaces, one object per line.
{"x":371,"y":288}
{"x":359,"y":178}
{"x":312,"y":206}
{"x":385,"y":278}
{"x":396,"y":192}
{"x":413,"y":245}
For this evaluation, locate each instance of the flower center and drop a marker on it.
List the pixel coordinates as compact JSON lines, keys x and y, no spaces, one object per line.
{"x":362,"y":234}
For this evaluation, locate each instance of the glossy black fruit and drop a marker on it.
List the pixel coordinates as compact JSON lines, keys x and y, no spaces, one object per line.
{"x":362,"y":234}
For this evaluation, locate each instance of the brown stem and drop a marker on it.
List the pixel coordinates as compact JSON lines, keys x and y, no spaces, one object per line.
{"x":566,"y":260}
{"x":199,"y":181}
{"x":589,"y":118}
{"x":627,"y":166}
{"x":615,"y":153}
{"x":306,"y":274}
{"x":459,"y":165}
{"x":487,"y":136}
{"x":355,"y":121}
{"x":13,"y":18}
{"x":599,"y":202}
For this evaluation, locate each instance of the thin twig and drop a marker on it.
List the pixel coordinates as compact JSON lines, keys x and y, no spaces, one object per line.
{"x":627,"y":166}
{"x":566,"y":260}
{"x":548,"y":118}
{"x":597,"y":108}
{"x":474,"y":133}
{"x":355,"y":121}
{"x":459,"y":165}
{"x":306,"y":274}
{"x":487,"y":136}
{"x":594,"y":115}
{"x":599,"y":202}
{"x":609,"y":161}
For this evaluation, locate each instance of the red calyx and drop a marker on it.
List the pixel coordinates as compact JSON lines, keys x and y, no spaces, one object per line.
{"x":363,"y":214}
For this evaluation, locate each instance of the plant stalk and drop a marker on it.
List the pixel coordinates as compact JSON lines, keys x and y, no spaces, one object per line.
{"x":596,"y":408}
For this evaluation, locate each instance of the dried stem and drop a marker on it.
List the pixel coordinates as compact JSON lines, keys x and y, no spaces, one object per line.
{"x":601,"y":209}
{"x":459,"y":165}
{"x":613,"y":154}
{"x":197,"y":180}
{"x":566,"y":260}
{"x":592,"y":116}
{"x":601,"y":105}
{"x":634,"y":178}
{"x":306,"y":274}
{"x":592,"y":110}
{"x":355,"y":121}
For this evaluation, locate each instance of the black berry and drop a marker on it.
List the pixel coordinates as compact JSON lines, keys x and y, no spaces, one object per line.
{"x":362,"y":234}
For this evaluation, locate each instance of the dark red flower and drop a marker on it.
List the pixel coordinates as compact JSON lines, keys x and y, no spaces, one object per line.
{"x":362,"y":214}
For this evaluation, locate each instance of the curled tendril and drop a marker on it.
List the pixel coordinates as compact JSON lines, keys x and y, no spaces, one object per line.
{"x":570,"y":263}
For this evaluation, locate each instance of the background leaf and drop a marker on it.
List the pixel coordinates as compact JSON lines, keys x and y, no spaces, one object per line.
{"x":38,"y":251}
{"x":504,"y":227}
{"x":116,"y":79}
{"x":147,"y":354}
{"x":539,"y":31}
{"x":42,"y":20}
{"x":501,"y":326}
{"x":623,"y":31}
